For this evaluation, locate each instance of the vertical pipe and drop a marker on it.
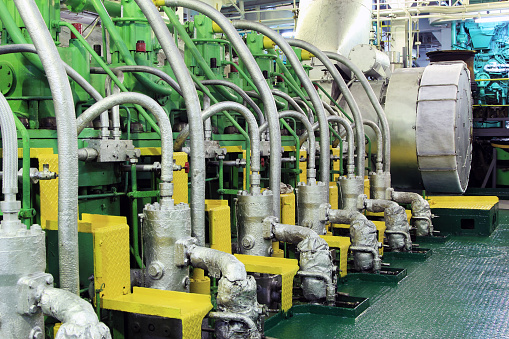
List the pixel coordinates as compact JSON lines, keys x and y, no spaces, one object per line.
{"x":67,"y":144}
{"x":197,"y":171}
{"x":258,"y":79}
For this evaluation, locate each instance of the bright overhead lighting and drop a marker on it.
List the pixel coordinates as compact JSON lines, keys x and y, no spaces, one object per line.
{"x":288,"y":35}
{"x":492,"y":19}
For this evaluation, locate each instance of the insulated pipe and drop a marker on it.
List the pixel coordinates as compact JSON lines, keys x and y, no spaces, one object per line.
{"x":290,"y":101}
{"x":315,"y":260}
{"x":162,"y":119}
{"x":217,"y":263}
{"x":384,"y":123}
{"x":379,"y":141}
{"x":254,"y":134}
{"x":308,"y":86}
{"x":67,"y":144}
{"x":258,"y":79}
{"x":421,"y":212}
{"x":359,"y":128}
{"x":309,"y":110}
{"x":311,"y":174}
{"x":294,"y":234}
{"x":363,"y":236}
{"x":349,"y":138}
{"x":397,"y":230}
{"x":243,"y":95}
{"x":76,"y":315}
{"x":145,"y":69}
{"x":9,"y":206}
{"x":197,"y":171}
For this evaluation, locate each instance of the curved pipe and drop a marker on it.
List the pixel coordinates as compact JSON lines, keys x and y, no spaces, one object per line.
{"x":162,"y":119}
{"x":290,"y":101}
{"x":9,"y":206}
{"x":254,"y":134}
{"x":76,"y":315}
{"x":315,"y":264}
{"x":359,"y":128}
{"x":197,"y":171}
{"x":145,"y":69}
{"x":379,"y":141}
{"x":349,"y":138}
{"x":299,"y":102}
{"x":421,"y":212}
{"x":306,"y":83}
{"x":363,"y":236}
{"x":258,"y":79}
{"x":242,"y":93}
{"x":311,"y":174}
{"x":294,"y":234}
{"x":384,"y":123}
{"x":218,"y":263}
{"x":67,"y":143}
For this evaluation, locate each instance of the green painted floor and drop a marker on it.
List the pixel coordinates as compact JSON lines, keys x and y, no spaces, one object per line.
{"x":461,"y":291}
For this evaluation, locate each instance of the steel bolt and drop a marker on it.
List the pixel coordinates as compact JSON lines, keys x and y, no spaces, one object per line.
{"x":36,"y":333}
{"x":33,"y":309}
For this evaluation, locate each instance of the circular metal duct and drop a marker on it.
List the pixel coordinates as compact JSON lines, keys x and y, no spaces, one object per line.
{"x":430,"y":118}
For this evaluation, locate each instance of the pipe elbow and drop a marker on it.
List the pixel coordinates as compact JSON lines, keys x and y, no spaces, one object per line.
{"x":77,"y":316}
{"x":217,"y":263}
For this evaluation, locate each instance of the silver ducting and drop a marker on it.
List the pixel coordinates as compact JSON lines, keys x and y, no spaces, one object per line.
{"x":333,"y":25}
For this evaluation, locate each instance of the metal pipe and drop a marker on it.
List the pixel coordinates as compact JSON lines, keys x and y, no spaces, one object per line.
{"x":115,"y":111}
{"x":9,"y":206}
{"x":306,"y":83}
{"x":76,"y":315}
{"x":254,"y":135}
{"x":309,"y":110}
{"x":217,"y":263}
{"x":311,"y":174}
{"x":384,"y":123}
{"x":258,"y":79}
{"x":67,"y":143}
{"x":359,"y":129}
{"x":145,"y":69}
{"x":349,"y":137}
{"x":379,"y":141}
{"x":421,"y":212}
{"x":116,"y":38}
{"x":91,"y":113}
{"x":197,"y":171}
{"x":243,"y":95}
{"x":290,"y":101}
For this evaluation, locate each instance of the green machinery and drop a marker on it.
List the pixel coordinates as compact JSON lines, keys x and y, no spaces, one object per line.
{"x":138,"y":264}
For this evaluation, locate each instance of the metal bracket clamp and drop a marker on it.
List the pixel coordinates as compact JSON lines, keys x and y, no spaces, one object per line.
{"x":361,"y":201}
{"x":182,"y":250}
{"x":214,"y":150}
{"x":323,"y":212}
{"x":30,"y":290}
{"x":267,"y":225}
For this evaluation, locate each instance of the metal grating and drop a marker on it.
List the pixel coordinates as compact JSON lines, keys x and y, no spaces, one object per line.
{"x":459,"y":292}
